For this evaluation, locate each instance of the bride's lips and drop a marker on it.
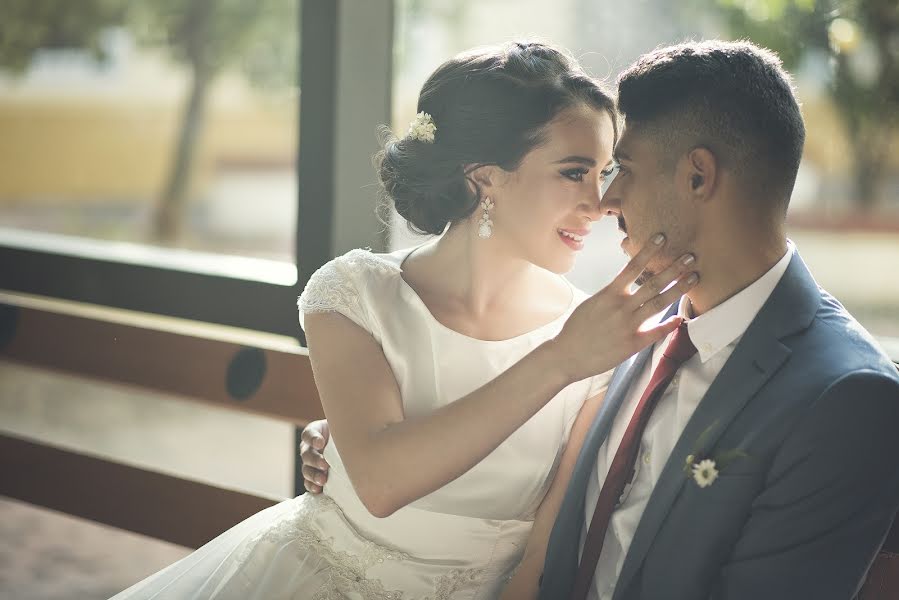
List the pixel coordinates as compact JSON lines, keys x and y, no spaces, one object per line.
{"x":573,"y":238}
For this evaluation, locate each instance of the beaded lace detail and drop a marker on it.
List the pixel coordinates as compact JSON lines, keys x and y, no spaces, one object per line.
{"x":331,"y":287}
{"x":455,"y":581}
{"x":347,"y":574}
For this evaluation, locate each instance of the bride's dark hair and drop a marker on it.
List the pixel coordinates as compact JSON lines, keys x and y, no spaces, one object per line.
{"x":491,"y":107}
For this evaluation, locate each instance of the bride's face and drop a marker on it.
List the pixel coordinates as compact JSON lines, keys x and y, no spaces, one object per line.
{"x":546,"y":207}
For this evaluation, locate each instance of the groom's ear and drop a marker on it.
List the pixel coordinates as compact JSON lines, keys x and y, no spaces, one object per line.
{"x":701,"y":172}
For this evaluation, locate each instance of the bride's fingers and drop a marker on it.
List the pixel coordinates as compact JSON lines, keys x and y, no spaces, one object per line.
{"x":632,"y":270}
{"x":660,"y":302}
{"x":657,"y":283}
{"x":658,"y":332}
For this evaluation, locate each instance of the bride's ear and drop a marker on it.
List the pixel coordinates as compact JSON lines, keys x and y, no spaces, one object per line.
{"x":483,"y":179}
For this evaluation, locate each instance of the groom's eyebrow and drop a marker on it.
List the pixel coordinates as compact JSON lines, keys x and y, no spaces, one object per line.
{"x":620,"y":156}
{"x":577,"y":159}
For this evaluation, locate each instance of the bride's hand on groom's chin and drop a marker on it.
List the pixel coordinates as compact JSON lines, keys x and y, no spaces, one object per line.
{"x":312,"y":446}
{"x":606,"y":328}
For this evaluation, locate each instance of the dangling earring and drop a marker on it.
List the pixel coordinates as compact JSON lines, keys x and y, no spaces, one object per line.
{"x":485,"y":226}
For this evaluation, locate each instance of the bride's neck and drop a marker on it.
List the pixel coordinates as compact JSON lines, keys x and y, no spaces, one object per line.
{"x":475,"y":273}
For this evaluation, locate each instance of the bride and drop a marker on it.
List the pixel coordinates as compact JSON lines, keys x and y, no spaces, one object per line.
{"x":458,"y":377}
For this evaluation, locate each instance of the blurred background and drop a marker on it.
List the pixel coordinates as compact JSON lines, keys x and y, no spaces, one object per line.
{"x":170,"y":131}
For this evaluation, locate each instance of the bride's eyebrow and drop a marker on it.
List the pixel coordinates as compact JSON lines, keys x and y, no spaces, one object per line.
{"x":577,"y":159}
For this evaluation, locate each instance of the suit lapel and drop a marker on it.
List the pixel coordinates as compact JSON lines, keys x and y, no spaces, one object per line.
{"x":621,"y":383}
{"x":599,"y":429}
{"x":758,"y":355}
{"x":564,"y":542}
{"x":739,"y":380}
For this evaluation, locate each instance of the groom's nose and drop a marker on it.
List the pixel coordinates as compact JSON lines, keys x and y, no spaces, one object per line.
{"x":610,"y":204}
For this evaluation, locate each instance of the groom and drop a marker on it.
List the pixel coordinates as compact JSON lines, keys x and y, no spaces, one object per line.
{"x":752,"y":455}
{"x":773,"y":381}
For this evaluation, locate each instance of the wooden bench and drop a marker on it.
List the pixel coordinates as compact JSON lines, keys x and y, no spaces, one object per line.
{"x":255,"y":373}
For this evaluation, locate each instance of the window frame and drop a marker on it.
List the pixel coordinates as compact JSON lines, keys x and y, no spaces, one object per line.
{"x":345,"y":78}
{"x":335,"y":211}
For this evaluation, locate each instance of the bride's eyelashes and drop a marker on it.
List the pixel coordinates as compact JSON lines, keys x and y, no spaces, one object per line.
{"x":577,"y":174}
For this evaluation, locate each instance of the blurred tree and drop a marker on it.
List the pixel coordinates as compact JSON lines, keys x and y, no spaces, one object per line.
{"x":260,"y":37}
{"x":208,"y":35}
{"x":861,"y":40}
{"x":27,"y":26}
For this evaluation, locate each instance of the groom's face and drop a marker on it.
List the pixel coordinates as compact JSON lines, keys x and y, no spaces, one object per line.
{"x":645,"y":200}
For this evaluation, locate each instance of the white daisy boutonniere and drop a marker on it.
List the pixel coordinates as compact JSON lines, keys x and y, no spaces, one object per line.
{"x":704,"y":470}
{"x":705,"y":473}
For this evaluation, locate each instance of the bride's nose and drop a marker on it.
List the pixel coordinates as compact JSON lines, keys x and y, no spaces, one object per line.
{"x":591,"y":205}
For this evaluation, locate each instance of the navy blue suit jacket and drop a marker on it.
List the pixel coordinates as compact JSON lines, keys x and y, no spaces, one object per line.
{"x":813,"y":402}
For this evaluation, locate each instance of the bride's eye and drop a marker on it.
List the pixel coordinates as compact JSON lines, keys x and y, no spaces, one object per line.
{"x":575,"y":174}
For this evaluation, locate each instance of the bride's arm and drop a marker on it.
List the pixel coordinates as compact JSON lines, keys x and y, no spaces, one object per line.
{"x":525,"y":582}
{"x":392,"y":460}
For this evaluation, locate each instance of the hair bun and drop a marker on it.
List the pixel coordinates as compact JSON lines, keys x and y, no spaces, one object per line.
{"x":426,"y":191}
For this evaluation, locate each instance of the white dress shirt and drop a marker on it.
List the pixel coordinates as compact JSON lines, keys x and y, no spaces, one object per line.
{"x":715,"y":335}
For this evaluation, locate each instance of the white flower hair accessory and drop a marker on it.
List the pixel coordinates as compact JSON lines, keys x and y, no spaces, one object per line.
{"x":422,"y":128}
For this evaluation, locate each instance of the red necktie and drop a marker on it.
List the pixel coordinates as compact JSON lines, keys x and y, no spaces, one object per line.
{"x":679,"y":349}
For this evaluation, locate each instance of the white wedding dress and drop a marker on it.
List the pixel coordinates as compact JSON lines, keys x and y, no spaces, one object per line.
{"x":460,"y":542}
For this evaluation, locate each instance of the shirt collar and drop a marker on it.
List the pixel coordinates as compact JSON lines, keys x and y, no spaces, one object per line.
{"x":713,"y":331}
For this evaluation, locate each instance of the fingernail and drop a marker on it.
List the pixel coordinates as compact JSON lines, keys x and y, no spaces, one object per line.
{"x":658,"y":239}
{"x":693,"y":278}
{"x":688,"y":259}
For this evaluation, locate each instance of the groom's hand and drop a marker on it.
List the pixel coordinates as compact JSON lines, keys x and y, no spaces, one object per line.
{"x":312,"y":445}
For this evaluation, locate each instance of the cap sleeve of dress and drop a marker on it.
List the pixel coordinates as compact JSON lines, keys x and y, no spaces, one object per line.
{"x":339,"y":286}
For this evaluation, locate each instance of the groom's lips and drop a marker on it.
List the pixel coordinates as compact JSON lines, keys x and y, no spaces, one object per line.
{"x":622,"y":227}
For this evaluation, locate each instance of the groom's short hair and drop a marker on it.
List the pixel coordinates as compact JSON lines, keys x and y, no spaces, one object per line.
{"x":732,"y":97}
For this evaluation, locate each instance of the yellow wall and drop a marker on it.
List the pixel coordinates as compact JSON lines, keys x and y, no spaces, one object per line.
{"x":94,"y":147}
{"x":64,"y":148}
